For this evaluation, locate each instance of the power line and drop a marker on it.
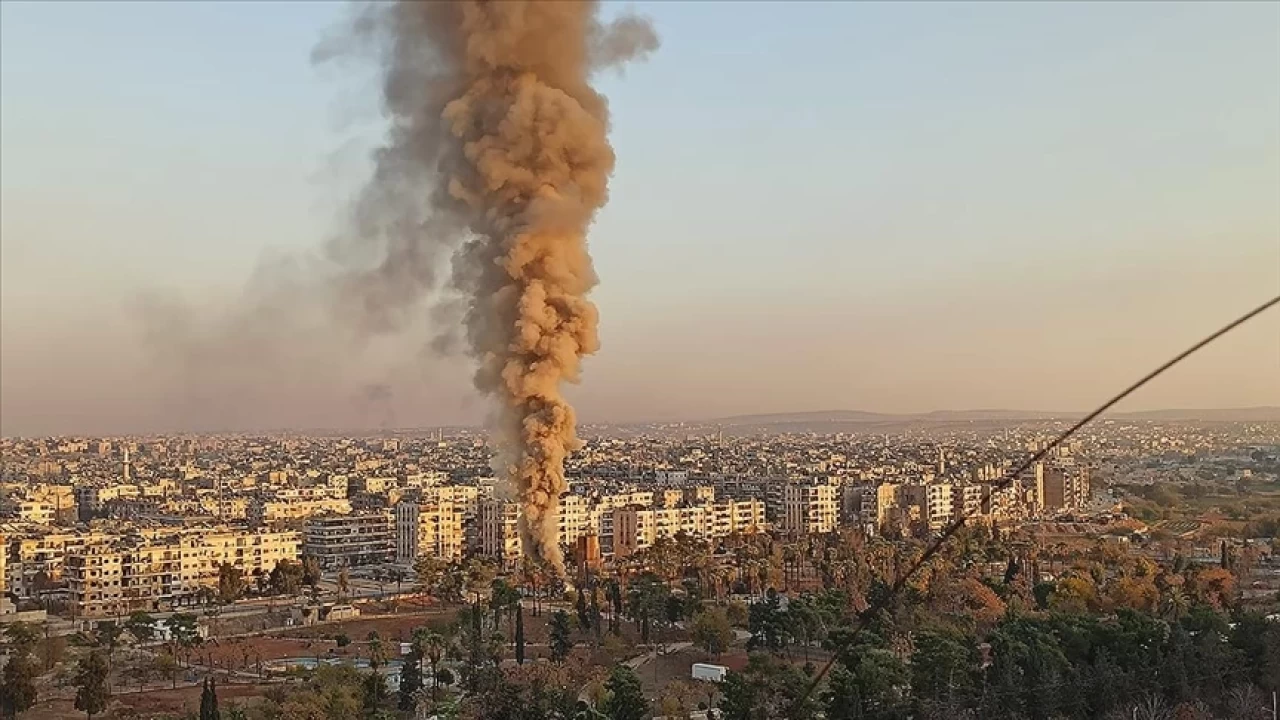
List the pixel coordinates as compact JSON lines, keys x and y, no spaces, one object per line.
{"x":866,"y":616}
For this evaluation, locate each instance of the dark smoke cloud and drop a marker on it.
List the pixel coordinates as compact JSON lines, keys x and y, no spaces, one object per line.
{"x":498,"y":152}
{"x":469,"y":235}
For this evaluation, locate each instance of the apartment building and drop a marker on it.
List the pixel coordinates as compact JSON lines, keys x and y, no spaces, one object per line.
{"x":768,"y":489}
{"x":697,"y":494}
{"x":968,"y":502}
{"x":668,"y":497}
{"x":437,"y":528}
{"x":88,"y":501}
{"x":728,"y":517}
{"x":1065,"y":487}
{"x":94,"y":574}
{"x":162,"y":569}
{"x":5,"y":605}
{"x":1003,"y":504}
{"x":579,"y":516}
{"x":869,"y":505}
{"x":223,"y":507}
{"x":33,"y":554}
{"x":810,"y":508}
{"x":351,"y":540}
{"x":254,"y":553}
{"x":263,"y":512}
{"x":1030,"y":483}
{"x":40,"y":512}
{"x":936,"y":503}
{"x":636,"y":528}
{"x":603,"y":507}
{"x":499,"y":530}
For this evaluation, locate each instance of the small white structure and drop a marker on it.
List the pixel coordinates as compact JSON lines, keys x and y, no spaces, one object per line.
{"x":710,"y":673}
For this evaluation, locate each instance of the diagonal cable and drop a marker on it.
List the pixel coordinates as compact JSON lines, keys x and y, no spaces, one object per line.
{"x":866,"y":616}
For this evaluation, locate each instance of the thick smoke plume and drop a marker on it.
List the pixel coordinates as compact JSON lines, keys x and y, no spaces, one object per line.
{"x":498,"y":151}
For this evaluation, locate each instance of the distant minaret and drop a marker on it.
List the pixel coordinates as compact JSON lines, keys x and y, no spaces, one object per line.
{"x":126,"y":465}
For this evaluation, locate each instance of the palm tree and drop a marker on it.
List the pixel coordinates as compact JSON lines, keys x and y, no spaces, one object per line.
{"x":503,"y":598}
{"x":1174,"y":603}
{"x":377,"y":653}
{"x":530,"y":577}
{"x":432,"y":646}
{"x":790,"y":560}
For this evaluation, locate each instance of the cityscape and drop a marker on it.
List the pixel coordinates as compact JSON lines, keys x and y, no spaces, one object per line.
{"x":256,"y":538}
{"x":585,"y":360}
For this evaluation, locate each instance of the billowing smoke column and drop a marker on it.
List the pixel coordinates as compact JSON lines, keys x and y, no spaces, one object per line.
{"x":492,"y":107}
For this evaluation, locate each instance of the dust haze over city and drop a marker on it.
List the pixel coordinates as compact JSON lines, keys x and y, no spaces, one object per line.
{"x":671,"y":360}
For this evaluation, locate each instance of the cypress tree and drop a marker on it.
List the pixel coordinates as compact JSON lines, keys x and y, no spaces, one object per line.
{"x":410,"y":679}
{"x":92,"y":693}
{"x":209,"y":701}
{"x":520,"y":634}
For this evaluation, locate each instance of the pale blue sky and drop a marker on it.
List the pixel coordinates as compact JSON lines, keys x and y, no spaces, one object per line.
{"x":826,"y":205}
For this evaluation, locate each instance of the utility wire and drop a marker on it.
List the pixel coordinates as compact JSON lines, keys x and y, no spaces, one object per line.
{"x":866,"y":616}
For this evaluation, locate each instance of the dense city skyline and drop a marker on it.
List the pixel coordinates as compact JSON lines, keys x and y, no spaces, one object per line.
{"x":532,"y":360}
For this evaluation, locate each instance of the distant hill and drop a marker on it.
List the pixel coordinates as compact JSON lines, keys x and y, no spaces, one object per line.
{"x":1253,"y":414}
{"x":851,"y":417}
{"x":822,"y":416}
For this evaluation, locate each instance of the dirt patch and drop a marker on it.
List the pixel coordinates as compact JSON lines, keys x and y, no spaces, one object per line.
{"x":397,"y":628}
{"x":657,"y":674}
{"x":150,"y":704}
{"x":246,"y":653}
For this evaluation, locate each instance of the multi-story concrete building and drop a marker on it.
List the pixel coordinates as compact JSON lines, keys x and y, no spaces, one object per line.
{"x":40,"y":512}
{"x":204,"y":551}
{"x":968,"y":502}
{"x":163,"y":569}
{"x":578,"y":516}
{"x":36,"y":556}
{"x":436,"y":528}
{"x":698,"y":494}
{"x":1030,"y":483}
{"x":351,"y":540}
{"x":88,"y":502}
{"x":1065,"y":486}
{"x":94,"y":575}
{"x":262,"y":512}
{"x":636,"y":528}
{"x":466,"y":508}
{"x":936,"y":502}
{"x":668,"y":497}
{"x":869,"y":505}
{"x":499,"y":530}
{"x":939,"y":507}
{"x":6,"y":606}
{"x":730,"y":516}
{"x":810,"y":507}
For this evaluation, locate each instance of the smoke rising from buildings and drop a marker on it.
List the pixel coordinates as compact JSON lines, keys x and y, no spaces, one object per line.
{"x":498,"y":152}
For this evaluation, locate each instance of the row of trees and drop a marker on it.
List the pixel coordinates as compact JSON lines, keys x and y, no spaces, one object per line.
{"x":288,"y":577}
{"x":1112,"y":631}
{"x":1041,"y":667}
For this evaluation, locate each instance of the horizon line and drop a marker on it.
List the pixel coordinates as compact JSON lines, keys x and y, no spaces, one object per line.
{"x":1029,"y":415}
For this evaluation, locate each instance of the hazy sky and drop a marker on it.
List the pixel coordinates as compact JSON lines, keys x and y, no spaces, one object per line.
{"x":816,"y":206}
